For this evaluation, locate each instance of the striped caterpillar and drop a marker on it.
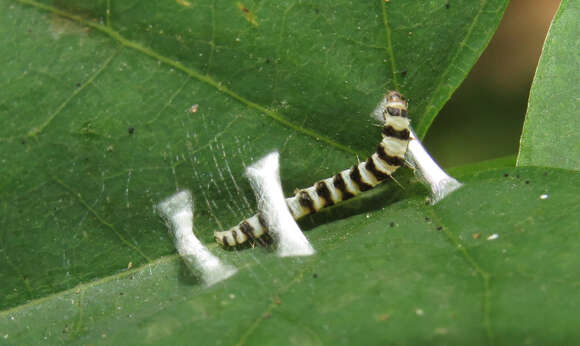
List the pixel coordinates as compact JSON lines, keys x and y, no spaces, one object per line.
{"x":342,"y":186}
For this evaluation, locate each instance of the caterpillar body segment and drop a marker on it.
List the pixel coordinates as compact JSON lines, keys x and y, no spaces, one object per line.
{"x":346,"y":184}
{"x":252,"y":229}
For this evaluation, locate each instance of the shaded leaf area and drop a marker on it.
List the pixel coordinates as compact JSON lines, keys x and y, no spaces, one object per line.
{"x":501,"y":162}
{"x":105,"y":115}
{"x":408,"y":273}
{"x":551,"y":132}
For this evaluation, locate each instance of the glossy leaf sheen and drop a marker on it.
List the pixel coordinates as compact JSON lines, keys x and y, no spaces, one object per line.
{"x":551,"y":134}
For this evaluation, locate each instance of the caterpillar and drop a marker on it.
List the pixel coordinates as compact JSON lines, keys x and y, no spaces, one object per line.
{"x":342,"y":186}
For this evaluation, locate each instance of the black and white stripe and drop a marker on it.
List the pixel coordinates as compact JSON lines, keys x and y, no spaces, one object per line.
{"x":344,"y":185}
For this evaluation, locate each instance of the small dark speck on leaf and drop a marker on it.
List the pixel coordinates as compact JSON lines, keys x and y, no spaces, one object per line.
{"x":403,"y":73}
{"x":506,"y":175}
{"x":23,"y":142}
{"x":121,"y":293}
{"x":131,"y":130}
{"x":267,"y":60}
{"x":545,"y":174}
{"x":518,"y":176}
{"x":527,"y":181}
{"x":439,"y":228}
{"x":245,"y":10}
{"x":317,"y":11}
{"x":392,"y":224}
{"x":447,"y":5}
{"x":78,"y":85}
{"x":427,"y":219}
{"x":315,"y":275}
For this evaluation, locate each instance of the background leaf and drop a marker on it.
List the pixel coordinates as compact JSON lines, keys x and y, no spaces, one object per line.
{"x":405,"y":273}
{"x":551,"y":130}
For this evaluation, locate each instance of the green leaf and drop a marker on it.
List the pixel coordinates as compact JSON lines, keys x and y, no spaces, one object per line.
{"x":502,"y":162}
{"x":99,"y":124}
{"x":109,"y":107}
{"x":551,"y":134}
{"x":404,"y":273}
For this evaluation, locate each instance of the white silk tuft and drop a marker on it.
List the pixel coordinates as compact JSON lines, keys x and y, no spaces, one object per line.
{"x":264,"y":176}
{"x":178,"y":213}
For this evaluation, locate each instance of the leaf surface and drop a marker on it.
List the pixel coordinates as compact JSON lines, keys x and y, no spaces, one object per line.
{"x":551,"y":134}
{"x":109,"y":107}
{"x":494,"y":263}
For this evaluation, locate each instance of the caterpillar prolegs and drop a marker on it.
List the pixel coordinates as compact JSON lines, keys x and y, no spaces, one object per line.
{"x":342,"y":186}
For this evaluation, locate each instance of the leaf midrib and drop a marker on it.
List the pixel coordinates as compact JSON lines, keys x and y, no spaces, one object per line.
{"x":205,"y":78}
{"x":90,"y":284}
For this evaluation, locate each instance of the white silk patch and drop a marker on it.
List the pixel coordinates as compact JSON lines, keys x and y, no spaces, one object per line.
{"x":178,"y":213}
{"x":428,"y":172}
{"x":264,"y":176}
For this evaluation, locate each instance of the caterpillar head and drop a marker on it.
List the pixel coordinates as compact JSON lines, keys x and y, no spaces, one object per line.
{"x":396,"y":105}
{"x":394,"y":97}
{"x":392,"y":101}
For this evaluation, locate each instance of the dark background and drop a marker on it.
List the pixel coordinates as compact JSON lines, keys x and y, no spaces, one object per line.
{"x":483,"y":119}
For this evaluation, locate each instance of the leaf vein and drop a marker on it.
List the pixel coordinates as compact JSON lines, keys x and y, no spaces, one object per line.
{"x":389,"y":46}
{"x":84,"y":286}
{"x":258,"y":321}
{"x":168,"y":103}
{"x":100,"y":218}
{"x":192,"y":73}
{"x":482,"y":273}
{"x":38,"y":130}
